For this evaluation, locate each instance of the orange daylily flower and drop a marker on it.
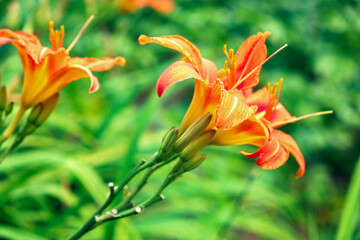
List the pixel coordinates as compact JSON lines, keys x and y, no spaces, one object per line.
{"x":227,"y":94}
{"x":275,"y":151}
{"x":47,"y":70}
{"x":162,"y":6}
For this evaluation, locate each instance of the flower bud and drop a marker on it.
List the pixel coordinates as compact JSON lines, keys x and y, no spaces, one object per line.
{"x":35,"y":112}
{"x":193,"y":132}
{"x":48,"y":107}
{"x":3,"y":96}
{"x":195,"y":146}
{"x":193,"y":163}
{"x":169,"y":139}
{"x":9,"y":108}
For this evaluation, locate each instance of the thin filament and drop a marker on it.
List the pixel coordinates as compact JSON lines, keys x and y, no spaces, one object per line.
{"x":279,"y":124}
{"x":72,"y":44}
{"x":262,"y":63}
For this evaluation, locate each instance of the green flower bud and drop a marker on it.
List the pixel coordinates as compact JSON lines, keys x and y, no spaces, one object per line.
{"x":169,"y":139}
{"x":195,"y":146}
{"x":193,"y":163}
{"x":35,"y":112}
{"x":48,"y":107}
{"x":3,"y":96}
{"x":9,"y":108}
{"x":193,"y":132}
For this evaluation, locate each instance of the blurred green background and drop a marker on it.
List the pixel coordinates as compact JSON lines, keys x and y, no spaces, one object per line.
{"x":57,"y":178}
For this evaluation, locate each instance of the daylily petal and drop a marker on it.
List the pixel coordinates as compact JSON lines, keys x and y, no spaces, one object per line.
{"x":287,"y":141}
{"x":205,"y":100}
{"x":62,"y":78}
{"x":232,"y":110}
{"x":176,"y":72}
{"x":209,"y":71}
{"x":177,"y":43}
{"x":250,"y":131}
{"x":162,"y":6}
{"x":272,"y":155}
{"x":249,"y":55}
{"x":98,"y":65}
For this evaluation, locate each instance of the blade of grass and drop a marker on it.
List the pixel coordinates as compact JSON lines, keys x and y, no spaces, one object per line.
{"x":350,"y":212}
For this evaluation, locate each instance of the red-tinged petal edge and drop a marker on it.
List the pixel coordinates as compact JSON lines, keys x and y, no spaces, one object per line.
{"x":176,"y":72}
{"x":272,"y":155}
{"x":250,"y":54}
{"x":177,"y":43}
{"x":209,"y":71}
{"x":287,"y":141}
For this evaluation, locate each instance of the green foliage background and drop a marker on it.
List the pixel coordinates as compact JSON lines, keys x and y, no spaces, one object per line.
{"x":57,"y":178}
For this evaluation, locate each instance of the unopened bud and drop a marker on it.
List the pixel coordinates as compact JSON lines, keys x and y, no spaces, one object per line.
{"x":193,"y":132}
{"x":9,"y":108}
{"x":169,"y":139}
{"x":3,"y":96}
{"x":35,"y":112}
{"x":195,"y":146}
{"x":193,"y":163}
{"x":48,"y":107}
{"x":28,"y":129}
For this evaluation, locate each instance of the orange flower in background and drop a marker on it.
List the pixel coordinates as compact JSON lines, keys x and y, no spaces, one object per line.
{"x":162,"y":6}
{"x":47,"y":70}
{"x":239,"y":116}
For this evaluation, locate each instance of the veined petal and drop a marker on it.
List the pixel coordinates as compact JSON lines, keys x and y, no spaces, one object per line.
{"x":287,"y":141}
{"x":232,"y":110}
{"x":177,"y":43}
{"x":98,"y":65}
{"x":176,"y":72}
{"x":249,"y":55}
{"x":272,"y":155}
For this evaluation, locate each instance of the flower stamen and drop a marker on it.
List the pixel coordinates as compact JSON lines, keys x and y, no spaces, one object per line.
{"x":295,"y":119}
{"x":72,"y":44}
{"x":256,"y":68}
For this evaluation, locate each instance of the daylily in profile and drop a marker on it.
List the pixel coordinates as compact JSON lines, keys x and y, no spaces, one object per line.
{"x":47,"y":70}
{"x":239,"y":116}
{"x":162,"y":6}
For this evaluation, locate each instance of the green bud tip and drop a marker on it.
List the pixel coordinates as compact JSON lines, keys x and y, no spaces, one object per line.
{"x":169,"y":139}
{"x":3,"y":96}
{"x":193,"y":163}
{"x":35,"y":112}
{"x":48,"y":107}
{"x":9,"y":108}
{"x":193,"y":131}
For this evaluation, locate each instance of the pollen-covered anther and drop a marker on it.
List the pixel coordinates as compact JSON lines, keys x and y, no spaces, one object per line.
{"x":56,"y":37}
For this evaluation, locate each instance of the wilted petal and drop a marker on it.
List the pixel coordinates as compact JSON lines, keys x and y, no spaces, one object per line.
{"x":177,"y":43}
{"x":287,"y":141}
{"x":176,"y":72}
{"x":98,"y":65}
{"x":250,"y":54}
{"x":232,"y":110}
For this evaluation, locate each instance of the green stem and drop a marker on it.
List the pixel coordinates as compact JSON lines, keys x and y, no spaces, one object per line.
{"x":350,"y":212}
{"x":96,"y":219}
